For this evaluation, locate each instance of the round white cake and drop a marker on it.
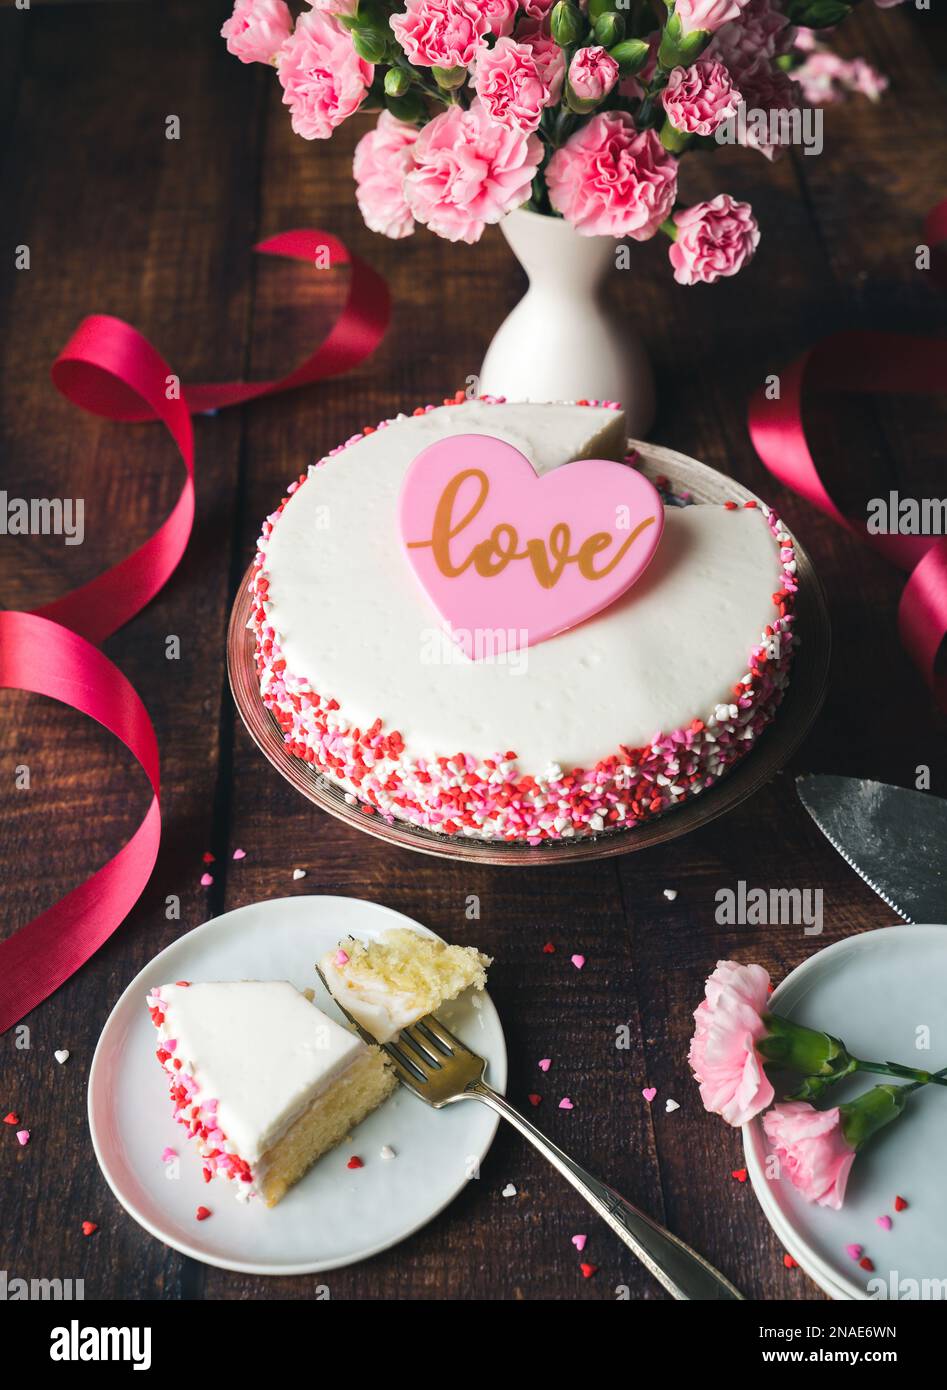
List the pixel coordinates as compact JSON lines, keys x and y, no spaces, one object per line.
{"x":597,"y":728}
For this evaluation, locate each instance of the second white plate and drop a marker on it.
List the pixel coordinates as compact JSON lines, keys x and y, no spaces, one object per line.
{"x":335,"y":1215}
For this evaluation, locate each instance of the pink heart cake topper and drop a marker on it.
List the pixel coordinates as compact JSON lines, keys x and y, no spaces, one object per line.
{"x":509,"y":558}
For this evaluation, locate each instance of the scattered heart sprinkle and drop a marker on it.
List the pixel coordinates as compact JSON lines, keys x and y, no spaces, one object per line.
{"x":388,"y":1153}
{"x":670,"y":894}
{"x":649,"y":1093}
{"x":854,"y":1252}
{"x":202,"y":1213}
{"x":579,"y":1242}
{"x":789,"y":1262}
{"x":533,"y":1098}
{"x":341,"y":958}
{"x":588,"y":1270}
{"x":239,"y":854}
{"x":565,"y":1103}
{"x":23,"y":1136}
{"x":549,"y":949}
{"x":740,"y":1174}
{"x":508,"y":1191}
{"x":545,"y":1063}
{"x":900,"y":1204}
{"x":865,"y":1263}
{"x":299,"y":873}
{"x":206,"y":880}
{"x":670,"y":1106}
{"x":207,"y":857}
{"x":578,"y":961}
{"x":11,"y":1119}
{"x":89,"y":1228}
{"x":884,"y":1222}
{"x":169,"y":1155}
{"x":355,"y":1162}
{"x":62,"y":1055}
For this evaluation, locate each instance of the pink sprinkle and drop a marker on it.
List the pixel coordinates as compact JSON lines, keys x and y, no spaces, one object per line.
{"x":239,"y":854}
{"x":565,"y":1103}
{"x":649,"y":1093}
{"x":170,"y":1044}
{"x":169,"y":1155}
{"x":854,"y":1252}
{"x":206,"y":880}
{"x":884,"y":1222}
{"x":545,"y":1063}
{"x":341,"y":958}
{"x":23,"y":1135}
{"x":578,"y":961}
{"x":579,"y":1242}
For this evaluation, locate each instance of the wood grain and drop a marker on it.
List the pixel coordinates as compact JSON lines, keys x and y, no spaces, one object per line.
{"x":120,"y":219}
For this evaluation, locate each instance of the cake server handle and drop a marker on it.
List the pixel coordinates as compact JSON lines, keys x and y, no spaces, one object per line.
{"x":684,"y":1273}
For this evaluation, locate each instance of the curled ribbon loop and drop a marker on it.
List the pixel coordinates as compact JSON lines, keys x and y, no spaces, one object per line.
{"x":865,"y":362}
{"x":110,"y":369}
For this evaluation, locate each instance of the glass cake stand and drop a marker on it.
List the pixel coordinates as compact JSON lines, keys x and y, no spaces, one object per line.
{"x":773,"y":748}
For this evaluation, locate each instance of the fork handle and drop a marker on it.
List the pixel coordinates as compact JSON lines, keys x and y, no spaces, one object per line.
{"x":684,"y":1273}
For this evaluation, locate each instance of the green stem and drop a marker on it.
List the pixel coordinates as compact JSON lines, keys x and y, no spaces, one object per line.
{"x":915,"y":1075}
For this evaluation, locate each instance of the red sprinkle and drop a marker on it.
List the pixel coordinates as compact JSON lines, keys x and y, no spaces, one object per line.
{"x":534,"y":1099}
{"x":549,"y":949}
{"x":207,"y":857}
{"x":355,"y":1162}
{"x":89,"y":1228}
{"x":867,"y":1264}
{"x":789,"y":1262}
{"x":739,"y":1174}
{"x":11,"y":1119}
{"x":588,"y":1270}
{"x":202,"y":1213}
{"x":900,"y":1204}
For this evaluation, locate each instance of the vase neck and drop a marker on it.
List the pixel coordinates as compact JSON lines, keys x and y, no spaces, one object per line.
{"x":555,"y":256}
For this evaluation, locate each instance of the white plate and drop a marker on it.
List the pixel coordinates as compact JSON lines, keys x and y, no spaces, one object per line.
{"x":335,"y":1215}
{"x":875,"y":991}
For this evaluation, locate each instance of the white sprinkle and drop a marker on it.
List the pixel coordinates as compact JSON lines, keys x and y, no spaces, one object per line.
{"x":670,"y":1106}
{"x":508,"y":1191}
{"x":62,"y":1055}
{"x":670,"y":894}
{"x":299,"y":873}
{"x":387,"y":1152}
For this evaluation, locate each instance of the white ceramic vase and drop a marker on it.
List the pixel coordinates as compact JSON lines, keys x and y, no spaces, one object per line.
{"x":563,"y":341}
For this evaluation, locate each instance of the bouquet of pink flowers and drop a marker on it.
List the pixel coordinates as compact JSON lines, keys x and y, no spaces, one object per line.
{"x":579,"y":109}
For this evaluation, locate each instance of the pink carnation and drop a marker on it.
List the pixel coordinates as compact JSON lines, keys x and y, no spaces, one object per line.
{"x":537,"y":9}
{"x":713,"y":239}
{"x":323,"y":78}
{"x":501,"y":16}
{"x":509,"y":84}
{"x":706,"y":14}
{"x":723,"y":1055}
{"x":441,"y":33}
{"x":825,"y":77}
{"x":700,"y":98}
{"x":547,"y":54}
{"x":608,"y":180}
{"x":256,"y":30}
{"x":767,"y":89}
{"x":346,"y":8}
{"x":761,"y":31}
{"x":811,"y":1150}
{"x":593,"y":73}
{"x":467,"y":171}
{"x":382,"y":158}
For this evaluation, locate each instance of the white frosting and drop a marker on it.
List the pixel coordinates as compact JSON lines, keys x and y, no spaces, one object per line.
{"x":353,"y":621}
{"x":261,"y":1049}
{"x":382,"y":1010}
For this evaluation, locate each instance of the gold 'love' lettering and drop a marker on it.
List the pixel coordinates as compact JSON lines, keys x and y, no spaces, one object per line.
{"x":491,"y":556}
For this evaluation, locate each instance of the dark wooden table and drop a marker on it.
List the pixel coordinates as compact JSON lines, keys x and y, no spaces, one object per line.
{"x":122,"y":220}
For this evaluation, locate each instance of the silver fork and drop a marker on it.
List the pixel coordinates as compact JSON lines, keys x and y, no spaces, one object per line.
{"x":440,"y":1069}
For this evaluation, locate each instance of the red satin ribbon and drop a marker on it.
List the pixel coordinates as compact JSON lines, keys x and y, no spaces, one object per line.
{"x":867,"y":362}
{"x":108,"y":368}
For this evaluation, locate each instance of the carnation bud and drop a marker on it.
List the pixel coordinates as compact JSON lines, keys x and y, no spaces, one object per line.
{"x":449,"y":79}
{"x":679,"y":50}
{"x":599,"y":7}
{"x":863,"y":1117}
{"x":397,"y":82}
{"x":566,"y":24}
{"x":609,"y":29}
{"x":793,"y":1047}
{"x":370,"y":44}
{"x":630,"y":55}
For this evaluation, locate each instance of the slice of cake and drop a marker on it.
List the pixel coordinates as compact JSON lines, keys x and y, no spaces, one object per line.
{"x":262,"y":1080}
{"x":390,"y":983}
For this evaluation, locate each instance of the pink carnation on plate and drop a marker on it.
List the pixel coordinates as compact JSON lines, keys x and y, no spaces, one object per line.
{"x":547,"y":54}
{"x":713,"y":239}
{"x":467,"y":171}
{"x":811,"y":1150}
{"x":509,"y":84}
{"x":256,"y":29}
{"x":382,"y":158}
{"x":710,"y":15}
{"x":593,"y":73}
{"x":323,"y":79}
{"x":723,"y":1054}
{"x":608,"y":180}
{"x":441,"y":33}
{"x":700,"y":98}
